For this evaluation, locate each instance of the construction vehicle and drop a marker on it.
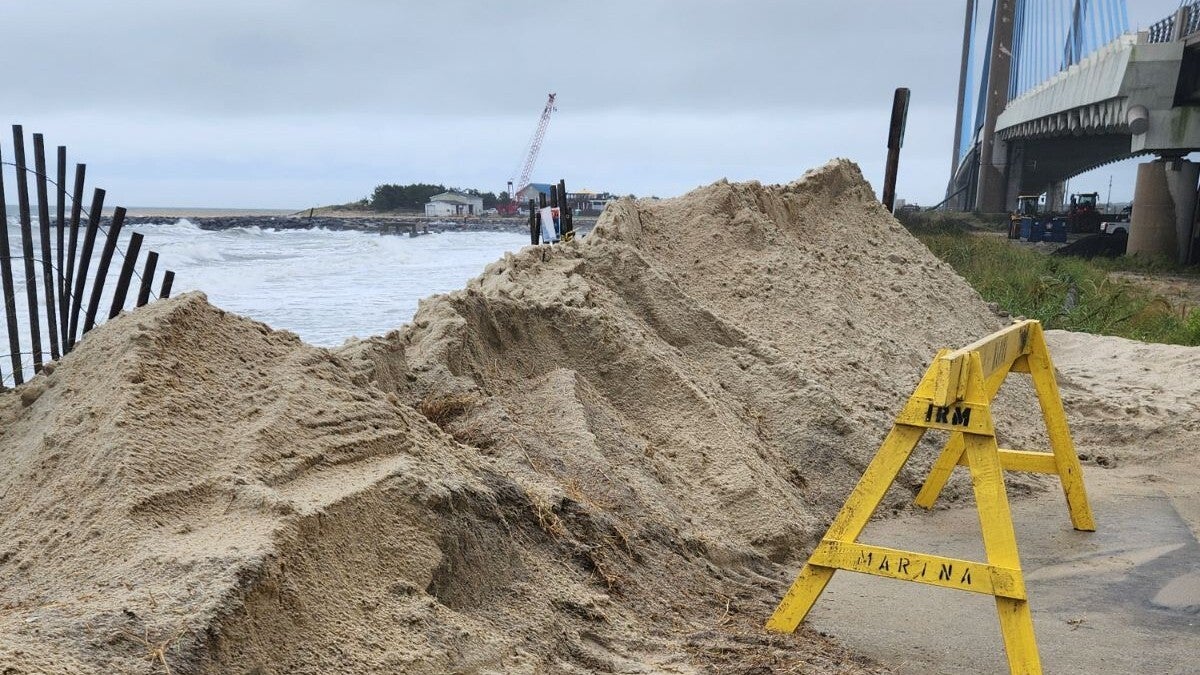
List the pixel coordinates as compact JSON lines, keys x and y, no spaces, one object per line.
{"x":1083,"y":216}
{"x":531,"y":155}
{"x":1020,"y":220}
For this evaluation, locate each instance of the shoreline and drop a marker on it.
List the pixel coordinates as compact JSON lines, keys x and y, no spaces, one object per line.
{"x":401,"y":225}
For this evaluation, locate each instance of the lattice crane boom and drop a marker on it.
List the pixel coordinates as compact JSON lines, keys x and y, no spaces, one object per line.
{"x":535,"y":146}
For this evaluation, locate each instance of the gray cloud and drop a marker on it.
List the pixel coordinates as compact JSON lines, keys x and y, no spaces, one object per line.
{"x":273,"y":103}
{"x":247,"y":57}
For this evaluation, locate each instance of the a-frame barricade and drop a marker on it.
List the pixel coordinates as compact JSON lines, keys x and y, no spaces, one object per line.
{"x":955,"y":395}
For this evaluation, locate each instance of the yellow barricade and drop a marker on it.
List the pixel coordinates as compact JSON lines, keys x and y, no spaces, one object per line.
{"x":955,"y":395}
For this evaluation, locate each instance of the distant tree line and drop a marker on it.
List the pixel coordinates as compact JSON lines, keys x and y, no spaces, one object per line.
{"x":390,"y":197}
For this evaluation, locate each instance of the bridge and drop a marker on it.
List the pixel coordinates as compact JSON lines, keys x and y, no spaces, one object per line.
{"x":1050,"y":89}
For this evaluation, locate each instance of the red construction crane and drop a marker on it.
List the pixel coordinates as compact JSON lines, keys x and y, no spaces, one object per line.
{"x":535,"y":146}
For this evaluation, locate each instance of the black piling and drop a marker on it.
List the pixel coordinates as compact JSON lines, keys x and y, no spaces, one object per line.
{"x":106,"y":254}
{"x":168,"y":279}
{"x":565,"y":215}
{"x":895,"y":141}
{"x":534,"y":231}
{"x":122,"y":290}
{"x":69,"y":268}
{"x":85,"y":258}
{"x":44,"y":233}
{"x":6,"y":278}
{"x":35,"y":327}
{"x":147,"y":278}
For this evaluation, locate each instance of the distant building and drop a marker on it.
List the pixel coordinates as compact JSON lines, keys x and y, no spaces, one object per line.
{"x":586,"y":202}
{"x":532,"y":191}
{"x":454,"y":204}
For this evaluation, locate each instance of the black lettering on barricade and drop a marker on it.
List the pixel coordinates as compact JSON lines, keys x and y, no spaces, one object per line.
{"x":966,"y":577}
{"x":924,"y":566}
{"x":864,"y":556}
{"x":942,"y":415}
{"x":883,"y":564}
{"x":961,"y":417}
{"x":946,"y":573}
{"x":902,"y":566}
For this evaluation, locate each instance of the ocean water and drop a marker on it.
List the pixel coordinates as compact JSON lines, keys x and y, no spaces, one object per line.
{"x":326,"y":286}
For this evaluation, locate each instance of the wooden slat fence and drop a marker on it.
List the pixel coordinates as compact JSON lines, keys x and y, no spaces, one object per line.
{"x":56,"y":272}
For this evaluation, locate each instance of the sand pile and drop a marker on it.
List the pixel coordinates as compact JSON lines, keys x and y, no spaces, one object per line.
{"x":1129,"y":401}
{"x":605,"y":456}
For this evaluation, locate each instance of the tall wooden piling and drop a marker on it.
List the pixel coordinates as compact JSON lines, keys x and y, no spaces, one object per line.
{"x":106,"y":254}
{"x":147,"y":278}
{"x":566,"y":217}
{"x":895,"y":141}
{"x":122,"y":289}
{"x":35,"y":327}
{"x":85,"y":257}
{"x":44,"y":234}
{"x":534,"y":231}
{"x":6,"y":279}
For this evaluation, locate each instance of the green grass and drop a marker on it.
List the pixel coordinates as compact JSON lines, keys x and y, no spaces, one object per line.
{"x":1061,"y":292}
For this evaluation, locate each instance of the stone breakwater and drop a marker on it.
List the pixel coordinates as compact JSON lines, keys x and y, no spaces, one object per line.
{"x":382,"y":225}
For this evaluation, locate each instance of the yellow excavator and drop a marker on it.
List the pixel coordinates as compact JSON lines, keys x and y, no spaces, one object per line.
{"x":1027,"y":207}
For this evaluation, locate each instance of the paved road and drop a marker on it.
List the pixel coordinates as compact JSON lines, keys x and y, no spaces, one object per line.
{"x":1125,"y":599}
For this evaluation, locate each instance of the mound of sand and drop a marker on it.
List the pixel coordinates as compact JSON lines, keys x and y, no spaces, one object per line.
{"x":605,"y":456}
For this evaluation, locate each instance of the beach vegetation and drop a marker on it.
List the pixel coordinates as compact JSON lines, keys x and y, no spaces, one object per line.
{"x":1060,"y":291}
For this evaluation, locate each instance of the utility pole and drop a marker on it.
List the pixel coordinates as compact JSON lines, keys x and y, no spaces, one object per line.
{"x":1108,"y":201}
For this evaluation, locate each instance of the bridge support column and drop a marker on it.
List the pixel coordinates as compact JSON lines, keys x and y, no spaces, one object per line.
{"x":1056,"y":197}
{"x":1014,"y":176}
{"x":1164,"y":208}
{"x":993,"y":152}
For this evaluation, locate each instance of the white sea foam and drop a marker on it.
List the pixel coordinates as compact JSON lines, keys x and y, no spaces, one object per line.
{"x":325,"y":285}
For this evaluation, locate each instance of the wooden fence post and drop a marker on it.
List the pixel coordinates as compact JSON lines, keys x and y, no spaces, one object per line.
{"x":72,"y":243}
{"x":35,"y":327}
{"x":106,"y":254}
{"x":10,"y":301}
{"x":131,"y":256}
{"x":147,"y":278}
{"x":61,"y":227}
{"x":85,"y":258}
{"x":44,"y":233}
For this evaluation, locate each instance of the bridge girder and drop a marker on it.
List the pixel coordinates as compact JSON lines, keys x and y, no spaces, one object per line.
{"x":1038,"y":163}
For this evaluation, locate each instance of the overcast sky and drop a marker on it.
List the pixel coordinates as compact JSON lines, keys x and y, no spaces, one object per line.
{"x":242,"y":103}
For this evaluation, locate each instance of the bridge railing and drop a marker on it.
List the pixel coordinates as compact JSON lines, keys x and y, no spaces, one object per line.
{"x":1163,"y":30}
{"x":1193,"y":20}
{"x":1184,"y":22}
